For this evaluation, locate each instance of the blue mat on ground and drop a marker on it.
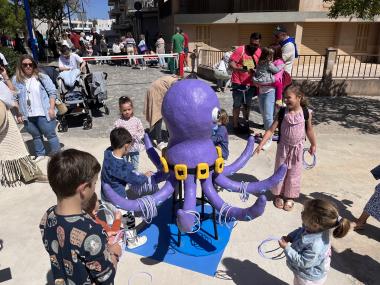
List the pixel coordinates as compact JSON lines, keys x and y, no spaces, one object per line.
{"x":199,"y":252}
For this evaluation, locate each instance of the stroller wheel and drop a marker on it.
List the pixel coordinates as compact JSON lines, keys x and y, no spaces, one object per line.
{"x":106,"y":110}
{"x":63,"y":127}
{"x":87,"y":125}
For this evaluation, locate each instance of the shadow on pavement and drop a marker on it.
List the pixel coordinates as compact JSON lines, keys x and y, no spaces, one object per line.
{"x":242,"y":272}
{"x":362,"y":267}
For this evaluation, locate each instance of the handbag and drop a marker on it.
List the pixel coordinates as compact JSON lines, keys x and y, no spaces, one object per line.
{"x":29,"y":170}
{"x":61,"y":107}
{"x":143,"y":48}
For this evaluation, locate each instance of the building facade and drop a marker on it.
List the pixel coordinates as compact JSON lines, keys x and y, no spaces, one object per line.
{"x":221,"y":24}
{"x":102,"y":25}
{"x":128,"y":19}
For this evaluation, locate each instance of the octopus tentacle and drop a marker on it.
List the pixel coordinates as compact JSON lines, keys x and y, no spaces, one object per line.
{"x":152,"y":153}
{"x":132,"y":205}
{"x":242,"y":160}
{"x":185,"y":220}
{"x":241,"y":214}
{"x":253,"y":187}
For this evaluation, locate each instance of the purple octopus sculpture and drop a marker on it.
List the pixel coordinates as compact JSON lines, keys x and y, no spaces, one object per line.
{"x":190,"y":110}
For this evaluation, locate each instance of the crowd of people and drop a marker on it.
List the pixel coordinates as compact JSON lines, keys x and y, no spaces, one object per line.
{"x":73,"y":230}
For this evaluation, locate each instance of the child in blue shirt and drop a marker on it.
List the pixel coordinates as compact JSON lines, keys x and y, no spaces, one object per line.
{"x":119,"y":173}
{"x":220,"y":134}
{"x":308,"y":249}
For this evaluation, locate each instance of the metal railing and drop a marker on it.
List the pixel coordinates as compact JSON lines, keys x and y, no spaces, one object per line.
{"x":209,"y":58}
{"x":308,"y":66}
{"x":357,"y":66}
{"x":313,"y":66}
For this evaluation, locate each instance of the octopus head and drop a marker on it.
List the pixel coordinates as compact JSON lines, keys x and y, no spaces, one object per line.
{"x":190,"y":110}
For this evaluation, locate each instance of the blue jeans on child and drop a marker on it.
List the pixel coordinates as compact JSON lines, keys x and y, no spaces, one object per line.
{"x":133,"y":157}
{"x":38,"y":127}
{"x":266,"y":105}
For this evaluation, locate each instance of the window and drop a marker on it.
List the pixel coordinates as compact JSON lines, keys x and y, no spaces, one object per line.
{"x":203,"y":34}
{"x":362,"y":33}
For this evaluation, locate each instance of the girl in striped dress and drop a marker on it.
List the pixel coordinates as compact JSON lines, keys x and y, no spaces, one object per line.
{"x":293,"y":129}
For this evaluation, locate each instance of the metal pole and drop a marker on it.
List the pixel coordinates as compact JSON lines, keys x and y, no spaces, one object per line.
{"x":30,"y":29}
{"x":68,"y":13}
{"x":83,"y":17}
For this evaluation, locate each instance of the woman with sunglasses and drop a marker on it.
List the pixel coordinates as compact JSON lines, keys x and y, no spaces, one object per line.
{"x":36,"y":98}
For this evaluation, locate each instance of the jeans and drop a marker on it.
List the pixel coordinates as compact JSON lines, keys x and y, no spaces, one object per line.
{"x":38,"y":127}
{"x":220,"y":83}
{"x":266,"y":105}
{"x":161,"y":60}
{"x":133,"y":157}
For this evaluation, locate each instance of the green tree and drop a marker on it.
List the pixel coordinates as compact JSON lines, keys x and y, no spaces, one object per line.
{"x":363,"y":9}
{"x":53,"y":12}
{"x":11,"y":18}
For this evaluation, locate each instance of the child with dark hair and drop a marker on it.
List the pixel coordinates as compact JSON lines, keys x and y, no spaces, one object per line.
{"x":77,"y":246}
{"x":308,"y":248}
{"x":220,"y":133}
{"x":119,"y":173}
{"x":134,"y":126}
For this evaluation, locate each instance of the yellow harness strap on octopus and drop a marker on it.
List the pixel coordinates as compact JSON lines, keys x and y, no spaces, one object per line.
{"x":219,"y":151}
{"x":165,"y":166}
{"x":180,"y":171}
{"x":219,"y":165}
{"x":203,"y":171}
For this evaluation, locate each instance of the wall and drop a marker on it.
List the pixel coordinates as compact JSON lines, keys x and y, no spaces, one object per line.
{"x":346,"y":38}
{"x":313,"y":6}
{"x":316,"y":37}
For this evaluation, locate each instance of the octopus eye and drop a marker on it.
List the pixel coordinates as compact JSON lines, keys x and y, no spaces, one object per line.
{"x":215,"y":114}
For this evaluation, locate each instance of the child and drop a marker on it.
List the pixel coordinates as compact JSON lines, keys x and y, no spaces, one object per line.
{"x":92,"y":207}
{"x":118,"y":172}
{"x":220,"y":134}
{"x":193,"y":57}
{"x":222,"y":72}
{"x":293,"y":122}
{"x":77,"y":246}
{"x":308,"y":256}
{"x":134,"y":126}
{"x":269,"y":75}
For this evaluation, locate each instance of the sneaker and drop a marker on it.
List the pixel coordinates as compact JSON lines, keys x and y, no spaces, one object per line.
{"x":162,"y":145}
{"x":267,"y":145}
{"x":138,"y":241}
{"x":38,"y":158}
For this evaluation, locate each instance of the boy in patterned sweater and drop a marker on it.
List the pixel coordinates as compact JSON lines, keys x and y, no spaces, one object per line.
{"x":77,"y":246}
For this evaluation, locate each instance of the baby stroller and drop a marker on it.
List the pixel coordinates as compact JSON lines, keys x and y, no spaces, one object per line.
{"x":96,"y":91}
{"x":72,"y":92}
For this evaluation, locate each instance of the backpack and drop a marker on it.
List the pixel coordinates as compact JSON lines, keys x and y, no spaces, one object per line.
{"x":291,"y":40}
{"x":281,"y":115}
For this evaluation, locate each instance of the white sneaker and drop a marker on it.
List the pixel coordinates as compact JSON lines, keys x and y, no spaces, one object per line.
{"x":267,"y":145}
{"x":38,"y":158}
{"x":138,"y":241}
{"x":162,"y":145}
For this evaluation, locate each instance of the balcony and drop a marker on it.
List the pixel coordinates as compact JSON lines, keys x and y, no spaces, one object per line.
{"x":236,"y":6}
{"x":116,"y":11}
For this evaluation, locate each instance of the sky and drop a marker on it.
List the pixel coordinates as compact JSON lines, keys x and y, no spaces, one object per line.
{"x":96,"y":9}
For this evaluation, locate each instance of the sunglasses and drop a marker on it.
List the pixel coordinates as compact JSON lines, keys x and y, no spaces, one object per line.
{"x":25,"y":65}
